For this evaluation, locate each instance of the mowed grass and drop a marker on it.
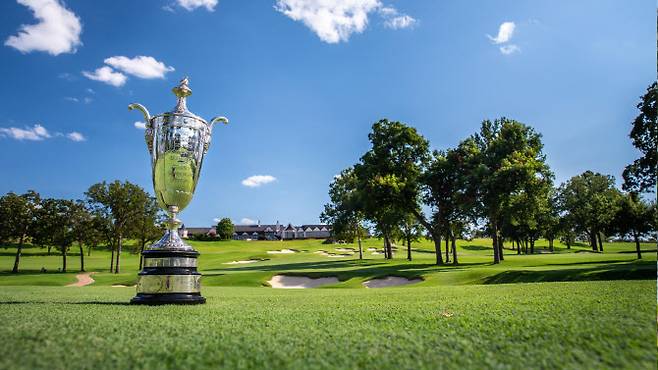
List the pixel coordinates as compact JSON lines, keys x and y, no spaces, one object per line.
{"x":569,"y":309}
{"x":575,"y":325}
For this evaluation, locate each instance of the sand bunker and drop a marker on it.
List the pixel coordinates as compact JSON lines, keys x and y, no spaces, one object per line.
{"x":390,"y":281}
{"x":372,"y":249}
{"x":299,"y":282}
{"x":334,"y":255}
{"x":83,"y":279}
{"x":241,"y":262}
{"x":345,"y":250}
{"x":282,"y":251}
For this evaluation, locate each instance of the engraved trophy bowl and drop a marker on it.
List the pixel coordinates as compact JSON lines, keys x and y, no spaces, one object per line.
{"x":177,"y":142}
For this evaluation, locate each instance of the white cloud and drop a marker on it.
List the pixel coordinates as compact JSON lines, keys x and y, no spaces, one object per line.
{"x":505,"y":32}
{"x":75,"y":136}
{"x":35,"y":133}
{"x":140,"y":125}
{"x":140,"y":66}
{"x":87,"y":100}
{"x":71,"y":99}
{"x":247,"y":221}
{"x":91,"y":91}
{"x":107,"y":75}
{"x":193,"y":4}
{"x":395,"y":20}
{"x":332,"y":21}
{"x":509,"y":49}
{"x":258,"y":180}
{"x":57,"y":32}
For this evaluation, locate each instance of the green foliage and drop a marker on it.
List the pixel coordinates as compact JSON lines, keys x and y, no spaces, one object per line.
{"x":18,"y":218}
{"x":225,"y":229}
{"x":640,"y":176}
{"x":344,"y":211}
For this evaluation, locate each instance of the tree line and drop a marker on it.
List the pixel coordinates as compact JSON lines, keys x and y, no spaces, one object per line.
{"x":108,"y":214}
{"x":496,"y":181}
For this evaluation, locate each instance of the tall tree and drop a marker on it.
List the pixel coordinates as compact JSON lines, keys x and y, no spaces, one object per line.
{"x":449,"y":189}
{"x":225,"y":229}
{"x":122,"y":203}
{"x":343,"y":212}
{"x":511,"y":160}
{"x":640,"y":176}
{"x":409,"y":231}
{"x":590,"y":202}
{"x":56,"y":225}
{"x":634,"y":218}
{"x":17,"y":219}
{"x":388,"y":176}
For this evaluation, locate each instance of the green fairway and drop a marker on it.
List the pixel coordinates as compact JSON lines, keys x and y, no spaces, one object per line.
{"x":531,"y":311}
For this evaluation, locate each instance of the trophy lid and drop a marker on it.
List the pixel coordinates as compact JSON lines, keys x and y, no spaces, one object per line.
{"x":182,"y":91}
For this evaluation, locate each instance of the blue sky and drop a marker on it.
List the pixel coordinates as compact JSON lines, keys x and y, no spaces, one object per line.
{"x":302,"y":81}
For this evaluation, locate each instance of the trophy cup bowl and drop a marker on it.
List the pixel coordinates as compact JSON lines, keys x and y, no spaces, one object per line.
{"x":177,"y":142}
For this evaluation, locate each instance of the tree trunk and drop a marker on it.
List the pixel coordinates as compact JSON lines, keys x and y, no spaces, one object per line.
{"x":385,"y":246}
{"x":550,"y":245}
{"x":64,"y":259}
{"x":447,"y":248}
{"x":532,"y":245}
{"x":19,"y":251}
{"x":358,"y":238}
{"x":500,"y":249}
{"x":82,"y":258}
{"x":454,"y":250}
{"x":518,"y":247}
{"x":112,"y":260}
{"x":117,"y":268}
{"x":495,"y":244}
{"x":49,"y":247}
{"x":408,"y":248}
{"x":89,"y":251}
{"x":636,"y":236}
{"x":389,"y":249}
{"x":592,"y":241}
{"x":599,"y":237}
{"x":437,"y":248}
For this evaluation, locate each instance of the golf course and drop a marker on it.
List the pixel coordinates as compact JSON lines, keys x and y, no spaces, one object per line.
{"x":572,"y":308}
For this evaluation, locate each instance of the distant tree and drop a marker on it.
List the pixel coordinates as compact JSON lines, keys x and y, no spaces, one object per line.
{"x":56,"y":225}
{"x":17,"y":219}
{"x":82,"y":227}
{"x":225,"y":229}
{"x":409,"y":231}
{"x":388,"y":176}
{"x":590,"y":202}
{"x":121,"y":204}
{"x":511,"y":163}
{"x":640,"y":176}
{"x":343,"y":212}
{"x":634,"y":218}
{"x":147,"y":226}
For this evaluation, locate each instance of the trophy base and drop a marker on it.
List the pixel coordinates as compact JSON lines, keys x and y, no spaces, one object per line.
{"x":168,"y":298}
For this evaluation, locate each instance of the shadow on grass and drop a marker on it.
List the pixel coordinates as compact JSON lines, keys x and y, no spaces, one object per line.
{"x":76,"y":303}
{"x":626,"y":271}
{"x":475,"y":247}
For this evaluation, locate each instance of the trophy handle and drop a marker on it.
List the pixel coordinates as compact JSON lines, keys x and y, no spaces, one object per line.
{"x":221,"y":119}
{"x":142,"y":109}
{"x":148,"y":134}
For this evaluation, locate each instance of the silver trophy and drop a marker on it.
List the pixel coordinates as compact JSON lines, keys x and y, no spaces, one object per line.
{"x":177,"y":142}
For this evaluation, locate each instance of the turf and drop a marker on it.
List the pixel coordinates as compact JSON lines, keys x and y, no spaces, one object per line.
{"x":516,"y":326}
{"x":568,"y":309}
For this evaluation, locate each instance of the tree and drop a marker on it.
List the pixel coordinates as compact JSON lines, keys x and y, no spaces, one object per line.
{"x":343,"y":212}
{"x":148,"y":225}
{"x":388,"y":176}
{"x":121,"y":204}
{"x":450,"y":192}
{"x":640,"y":176}
{"x":590,"y":202}
{"x":83,"y":228}
{"x":409,"y":231}
{"x":634,"y":218}
{"x":511,"y":164}
{"x":56,"y":225}
{"x":225,"y":229}
{"x":18,"y":217}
